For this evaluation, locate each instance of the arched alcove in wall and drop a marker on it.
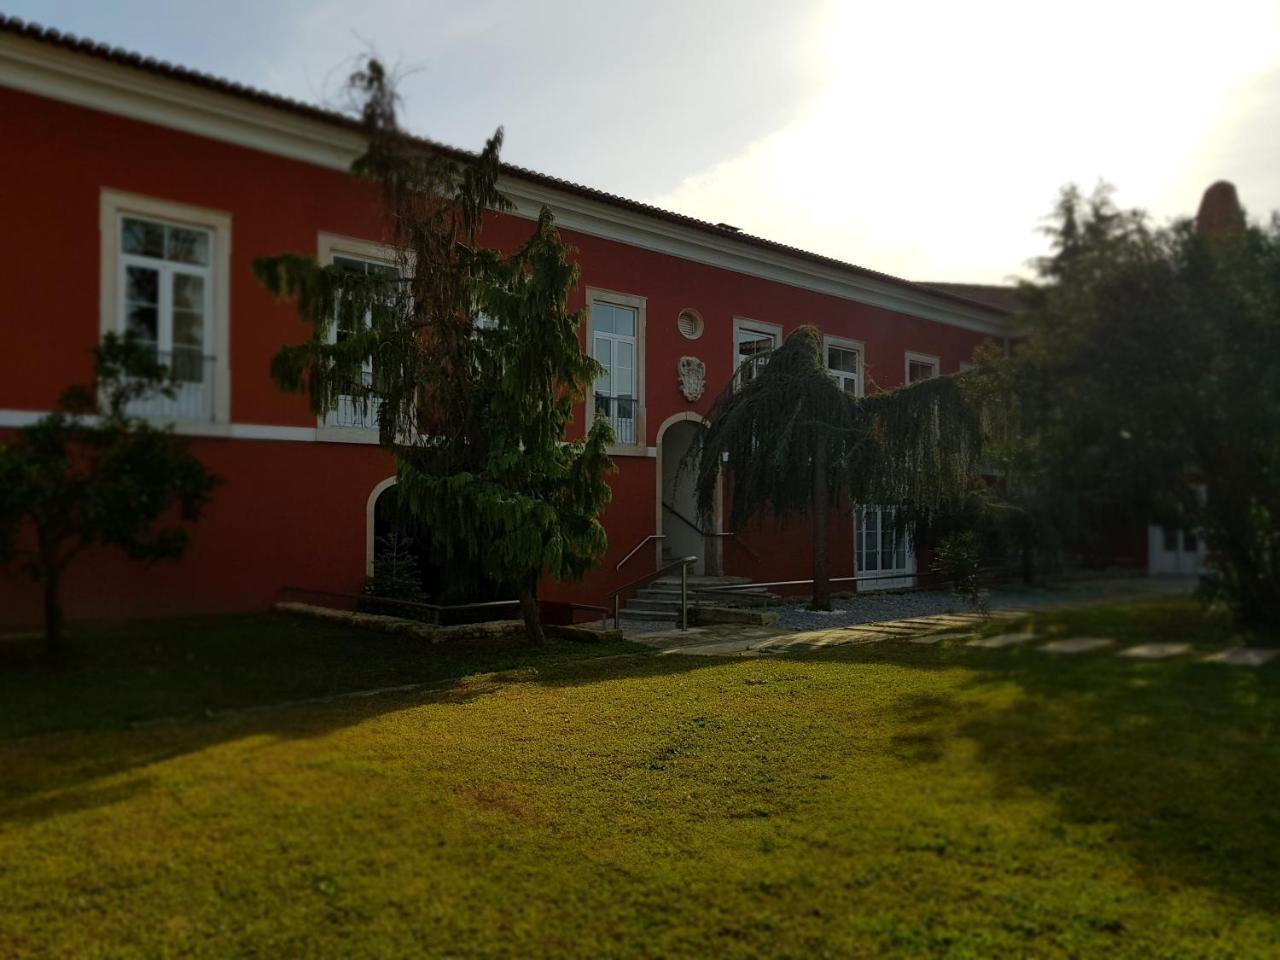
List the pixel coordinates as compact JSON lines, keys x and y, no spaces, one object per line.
{"x":454,"y":581}
{"x":684,"y":531}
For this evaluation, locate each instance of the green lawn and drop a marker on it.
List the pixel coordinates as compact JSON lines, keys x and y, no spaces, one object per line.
{"x":889,"y":799}
{"x":118,"y":674}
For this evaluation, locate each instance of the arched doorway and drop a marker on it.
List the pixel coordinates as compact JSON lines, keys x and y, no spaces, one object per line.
{"x":683,"y":531}
{"x":456,"y":580}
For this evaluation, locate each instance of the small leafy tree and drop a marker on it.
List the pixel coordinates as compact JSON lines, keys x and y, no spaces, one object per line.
{"x":795,"y":443}
{"x":89,"y":474}
{"x":477,"y":364}
{"x":957,"y":561}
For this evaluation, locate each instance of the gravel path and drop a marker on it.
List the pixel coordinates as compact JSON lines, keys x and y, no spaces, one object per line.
{"x":875,"y":607}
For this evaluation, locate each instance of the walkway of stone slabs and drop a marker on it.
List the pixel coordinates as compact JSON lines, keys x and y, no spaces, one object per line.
{"x":740,"y":641}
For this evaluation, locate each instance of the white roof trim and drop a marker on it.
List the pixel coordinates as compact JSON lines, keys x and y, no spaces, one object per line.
{"x":38,"y":68}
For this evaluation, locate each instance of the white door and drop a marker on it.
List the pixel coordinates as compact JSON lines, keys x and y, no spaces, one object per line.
{"x":1174,"y":551}
{"x":883,"y":554}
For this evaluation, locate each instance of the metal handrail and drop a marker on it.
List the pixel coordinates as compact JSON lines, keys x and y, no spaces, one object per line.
{"x":636,"y":548}
{"x":710,"y":533}
{"x":689,"y":523}
{"x":683,"y":564}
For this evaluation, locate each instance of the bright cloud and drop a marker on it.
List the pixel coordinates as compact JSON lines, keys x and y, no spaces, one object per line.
{"x":943,"y":131}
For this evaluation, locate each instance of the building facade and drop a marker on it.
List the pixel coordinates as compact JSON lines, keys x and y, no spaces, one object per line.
{"x":137,"y":195}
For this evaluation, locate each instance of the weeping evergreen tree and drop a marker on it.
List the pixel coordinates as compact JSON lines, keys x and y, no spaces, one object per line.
{"x":792,"y":442}
{"x":476,"y":363}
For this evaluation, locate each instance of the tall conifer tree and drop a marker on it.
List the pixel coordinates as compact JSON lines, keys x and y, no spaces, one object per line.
{"x":476,"y":360}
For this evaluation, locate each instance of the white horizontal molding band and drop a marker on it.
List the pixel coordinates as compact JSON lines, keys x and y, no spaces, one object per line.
{"x":231,"y":431}
{"x":37,"y":68}
{"x":260,"y":431}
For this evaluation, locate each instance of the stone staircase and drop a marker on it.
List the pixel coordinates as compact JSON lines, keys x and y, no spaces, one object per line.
{"x":660,"y":599}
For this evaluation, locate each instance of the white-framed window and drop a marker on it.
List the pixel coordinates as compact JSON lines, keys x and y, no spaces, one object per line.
{"x":921,"y":366}
{"x":844,"y":363}
{"x":883,"y":553}
{"x":164,"y":278}
{"x":353,"y":413}
{"x":615,"y":337}
{"x":753,"y":341}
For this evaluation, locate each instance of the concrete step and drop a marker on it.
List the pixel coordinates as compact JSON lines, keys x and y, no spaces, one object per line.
{"x":629,"y":614}
{"x":703,"y":581}
{"x":653,"y":603}
{"x":673,"y":590}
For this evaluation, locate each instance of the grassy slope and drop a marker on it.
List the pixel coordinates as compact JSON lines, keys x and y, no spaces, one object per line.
{"x":880,"y":800}
{"x":118,"y":673}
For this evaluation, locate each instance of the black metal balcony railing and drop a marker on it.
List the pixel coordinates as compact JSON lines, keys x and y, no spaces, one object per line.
{"x":192,"y":388}
{"x":360,"y":413}
{"x":621,"y":414}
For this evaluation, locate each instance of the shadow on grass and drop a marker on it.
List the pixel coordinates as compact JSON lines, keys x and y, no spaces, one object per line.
{"x":1176,"y":762}
{"x":128,"y":696}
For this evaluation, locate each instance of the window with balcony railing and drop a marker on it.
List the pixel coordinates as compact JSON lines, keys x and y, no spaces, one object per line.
{"x":355,"y":409}
{"x":613,"y":344}
{"x":165,"y":289}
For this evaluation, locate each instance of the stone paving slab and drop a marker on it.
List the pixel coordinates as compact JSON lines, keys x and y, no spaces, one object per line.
{"x":1243,"y":656}
{"x":1002,"y":640}
{"x":1154,"y":651}
{"x":1076,"y":645}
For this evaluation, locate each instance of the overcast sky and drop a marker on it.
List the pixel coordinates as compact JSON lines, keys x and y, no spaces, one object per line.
{"x":922,"y":139}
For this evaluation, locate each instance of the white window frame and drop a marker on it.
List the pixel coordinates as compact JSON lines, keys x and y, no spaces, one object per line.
{"x":912,"y":357}
{"x":113,"y":207}
{"x":637,"y":303}
{"x":743,"y":325}
{"x":895,"y":576}
{"x":329,"y":246}
{"x":840,"y":376}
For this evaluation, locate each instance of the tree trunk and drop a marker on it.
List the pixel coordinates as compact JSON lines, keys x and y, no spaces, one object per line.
{"x":821,"y":531}
{"x":532,"y":621}
{"x":52,"y":584}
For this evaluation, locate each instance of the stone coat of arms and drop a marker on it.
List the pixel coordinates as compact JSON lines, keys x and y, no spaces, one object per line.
{"x":693,"y":377}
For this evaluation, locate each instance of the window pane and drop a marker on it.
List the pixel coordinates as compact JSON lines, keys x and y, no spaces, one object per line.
{"x":188,"y":329}
{"x":188,"y":292}
{"x":141,"y":285}
{"x":142,"y":237}
{"x":349,"y":265}
{"x":919,"y":370}
{"x":624,"y":321}
{"x":141,"y":321}
{"x":601,"y":318}
{"x":850,"y":386}
{"x":846,"y":361}
{"x":604,"y":352}
{"x":752,"y":344}
{"x":188,"y":246}
{"x":624,"y":355}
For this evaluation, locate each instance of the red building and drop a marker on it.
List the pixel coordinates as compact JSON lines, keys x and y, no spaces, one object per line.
{"x":137,"y":193}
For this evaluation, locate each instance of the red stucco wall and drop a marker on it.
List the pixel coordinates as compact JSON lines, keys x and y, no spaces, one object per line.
{"x":294,"y":512}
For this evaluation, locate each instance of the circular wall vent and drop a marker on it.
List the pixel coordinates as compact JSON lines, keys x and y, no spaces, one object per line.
{"x":690,"y":324}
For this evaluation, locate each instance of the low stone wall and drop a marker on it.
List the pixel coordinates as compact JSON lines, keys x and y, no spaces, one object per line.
{"x":501,"y":630}
{"x":705,"y":616}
